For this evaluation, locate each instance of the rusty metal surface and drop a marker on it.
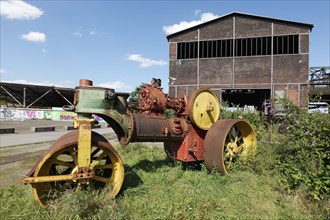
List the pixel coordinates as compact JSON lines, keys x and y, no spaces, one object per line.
{"x":157,"y":129}
{"x":85,"y":82}
{"x":228,"y":141}
{"x":179,"y":105}
{"x":190,"y":149}
{"x":214,"y":144}
{"x":154,"y":101}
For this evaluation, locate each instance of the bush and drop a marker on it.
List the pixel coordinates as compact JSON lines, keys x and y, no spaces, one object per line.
{"x":300,"y":154}
{"x":169,"y":113}
{"x":252,"y":116}
{"x":304,"y":153}
{"x":133,"y":99}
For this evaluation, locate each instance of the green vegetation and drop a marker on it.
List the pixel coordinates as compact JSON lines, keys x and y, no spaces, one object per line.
{"x":287,"y":179}
{"x":133,"y":99}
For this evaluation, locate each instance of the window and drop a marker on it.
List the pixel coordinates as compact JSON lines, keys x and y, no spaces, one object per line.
{"x":253,"y":46}
{"x":256,"y":46}
{"x":216,"y":48}
{"x":286,"y":44}
{"x":187,"y":50}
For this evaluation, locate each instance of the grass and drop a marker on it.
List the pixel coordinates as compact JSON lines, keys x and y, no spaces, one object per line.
{"x":156,"y":188}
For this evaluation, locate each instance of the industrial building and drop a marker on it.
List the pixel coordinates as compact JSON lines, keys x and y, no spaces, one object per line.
{"x":34,"y":96}
{"x":244,"y":58}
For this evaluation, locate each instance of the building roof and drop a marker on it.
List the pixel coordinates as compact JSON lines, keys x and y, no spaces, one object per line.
{"x":36,"y":96}
{"x":310,"y":26}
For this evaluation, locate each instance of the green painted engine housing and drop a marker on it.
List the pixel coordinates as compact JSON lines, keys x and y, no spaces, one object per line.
{"x":107,"y":104}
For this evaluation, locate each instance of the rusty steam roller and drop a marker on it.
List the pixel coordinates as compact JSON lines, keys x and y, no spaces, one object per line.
{"x":85,"y":159}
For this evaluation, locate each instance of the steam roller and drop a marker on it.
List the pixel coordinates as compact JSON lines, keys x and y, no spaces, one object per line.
{"x":83,"y":159}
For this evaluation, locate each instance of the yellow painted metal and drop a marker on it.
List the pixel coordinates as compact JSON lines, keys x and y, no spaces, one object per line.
{"x":43,"y":179}
{"x":84,"y":141}
{"x":204,"y":108}
{"x":240,"y":141}
{"x":56,"y":169}
{"x":118,"y":176}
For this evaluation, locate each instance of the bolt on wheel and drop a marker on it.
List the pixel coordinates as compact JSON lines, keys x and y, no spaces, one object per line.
{"x":62,"y":160}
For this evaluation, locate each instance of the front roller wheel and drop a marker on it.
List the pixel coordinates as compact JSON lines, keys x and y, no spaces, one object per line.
{"x":226,"y":142}
{"x":62,"y":160}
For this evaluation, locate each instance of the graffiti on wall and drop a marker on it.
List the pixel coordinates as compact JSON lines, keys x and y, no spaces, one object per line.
{"x":6,"y":113}
{"x":55,"y":115}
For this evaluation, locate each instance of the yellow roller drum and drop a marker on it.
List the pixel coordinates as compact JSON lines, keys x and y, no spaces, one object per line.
{"x":204,"y":108}
{"x":62,"y":159}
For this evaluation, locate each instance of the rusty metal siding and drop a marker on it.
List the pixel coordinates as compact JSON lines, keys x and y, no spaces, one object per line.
{"x":251,"y":27}
{"x":218,"y":30}
{"x":215,"y":71}
{"x":259,"y":72}
{"x":291,"y":68}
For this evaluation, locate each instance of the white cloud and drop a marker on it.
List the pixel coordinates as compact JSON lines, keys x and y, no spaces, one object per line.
{"x":92,"y":33}
{"x":204,"y":17}
{"x":65,"y":84}
{"x":34,"y":37}
{"x":19,"y":10}
{"x":78,"y":34}
{"x":43,"y":50}
{"x":115,"y":85}
{"x":145,"y":62}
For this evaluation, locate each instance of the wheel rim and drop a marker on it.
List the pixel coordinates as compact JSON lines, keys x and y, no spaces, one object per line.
{"x":62,"y":159}
{"x":235,"y":146}
{"x":204,"y":108}
{"x":228,"y":141}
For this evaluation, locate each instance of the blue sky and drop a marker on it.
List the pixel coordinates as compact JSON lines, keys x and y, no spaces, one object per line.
{"x":120,"y":44}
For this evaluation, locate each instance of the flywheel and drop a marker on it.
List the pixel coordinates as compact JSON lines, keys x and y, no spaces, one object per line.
{"x":204,"y":108}
{"x":61,"y":159}
{"x":226,"y":142}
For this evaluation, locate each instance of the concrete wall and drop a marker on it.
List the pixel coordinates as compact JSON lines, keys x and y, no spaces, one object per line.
{"x":38,"y":114}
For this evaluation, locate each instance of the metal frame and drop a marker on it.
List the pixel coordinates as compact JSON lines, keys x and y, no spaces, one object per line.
{"x":35,"y":96}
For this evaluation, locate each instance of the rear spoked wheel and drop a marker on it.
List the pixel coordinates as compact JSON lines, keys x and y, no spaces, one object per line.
{"x":227,"y":142}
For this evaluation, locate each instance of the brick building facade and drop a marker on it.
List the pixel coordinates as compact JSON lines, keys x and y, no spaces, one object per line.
{"x":244,"y":58}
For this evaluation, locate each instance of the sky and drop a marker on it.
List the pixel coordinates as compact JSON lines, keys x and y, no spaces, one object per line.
{"x":121,"y":44}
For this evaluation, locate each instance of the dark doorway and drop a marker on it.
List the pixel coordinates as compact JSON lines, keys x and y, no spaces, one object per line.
{"x":243,"y":97}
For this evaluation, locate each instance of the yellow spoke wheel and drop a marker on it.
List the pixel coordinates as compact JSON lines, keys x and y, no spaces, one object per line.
{"x":228,"y":141}
{"x":61,"y":159}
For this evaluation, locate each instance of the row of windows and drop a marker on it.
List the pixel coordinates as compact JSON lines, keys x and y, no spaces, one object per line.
{"x":243,"y":47}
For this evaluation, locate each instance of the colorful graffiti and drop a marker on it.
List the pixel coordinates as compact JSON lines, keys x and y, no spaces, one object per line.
{"x":55,"y":115}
